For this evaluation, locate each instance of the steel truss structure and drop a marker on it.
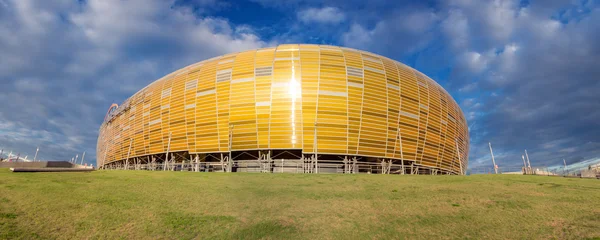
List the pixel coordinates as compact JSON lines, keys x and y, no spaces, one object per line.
{"x":279,"y":161}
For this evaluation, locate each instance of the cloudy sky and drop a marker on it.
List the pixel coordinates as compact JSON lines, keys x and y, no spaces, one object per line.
{"x":526,"y":73}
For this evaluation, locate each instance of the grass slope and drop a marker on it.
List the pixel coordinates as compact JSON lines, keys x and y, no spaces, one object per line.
{"x":188,"y":205}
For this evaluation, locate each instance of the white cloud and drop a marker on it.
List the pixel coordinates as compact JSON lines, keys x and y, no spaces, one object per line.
{"x":357,"y":36}
{"x":456,"y":26}
{"x":404,"y":31}
{"x":330,"y":15}
{"x":66,"y":61}
{"x":475,"y":62}
{"x":468,"y":87}
{"x":414,"y":21}
{"x":501,"y":17}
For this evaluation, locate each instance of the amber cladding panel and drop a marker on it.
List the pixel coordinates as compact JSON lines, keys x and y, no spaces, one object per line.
{"x":332,"y":100}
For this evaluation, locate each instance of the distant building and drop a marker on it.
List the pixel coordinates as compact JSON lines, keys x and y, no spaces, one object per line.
{"x":369,"y":113}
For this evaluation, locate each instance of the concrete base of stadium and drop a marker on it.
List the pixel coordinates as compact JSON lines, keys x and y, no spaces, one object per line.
{"x":274,"y":161}
{"x":44,"y":164}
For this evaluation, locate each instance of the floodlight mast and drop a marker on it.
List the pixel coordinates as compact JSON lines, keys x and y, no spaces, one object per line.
{"x":36,"y":152}
{"x":459,"y":159}
{"x":527,"y":155}
{"x":493,"y":161}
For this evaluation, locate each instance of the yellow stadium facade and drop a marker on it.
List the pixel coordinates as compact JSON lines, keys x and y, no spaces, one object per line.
{"x":290,"y":108}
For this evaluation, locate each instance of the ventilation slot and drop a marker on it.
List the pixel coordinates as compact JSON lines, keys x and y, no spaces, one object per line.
{"x":263,"y":71}
{"x":191,"y":84}
{"x":224,"y":75}
{"x":165,"y":93}
{"x":356,"y":72}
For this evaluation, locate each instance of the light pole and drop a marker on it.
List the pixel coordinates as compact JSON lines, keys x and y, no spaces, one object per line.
{"x":528,"y":162}
{"x":36,"y":152}
{"x":493,"y":161}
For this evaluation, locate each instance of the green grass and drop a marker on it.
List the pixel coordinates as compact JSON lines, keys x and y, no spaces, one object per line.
{"x":188,"y":205}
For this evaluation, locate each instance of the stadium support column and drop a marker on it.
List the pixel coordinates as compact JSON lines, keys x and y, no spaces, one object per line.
{"x":565,"y":168}
{"x":402,"y":165}
{"x":222,"y":161}
{"x":229,"y":160}
{"x":128,"y":154}
{"x":152,"y":164}
{"x":82,"y":157}
{"x":459,"y":160}
{"x":35,"y":156}
{"x":315,"y":150}
{"x":493,"y":160}
{"x":167,"y":154}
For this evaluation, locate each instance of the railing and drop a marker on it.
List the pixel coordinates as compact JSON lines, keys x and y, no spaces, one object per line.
{"x":539,"y":170}
{"x":283,"y":166}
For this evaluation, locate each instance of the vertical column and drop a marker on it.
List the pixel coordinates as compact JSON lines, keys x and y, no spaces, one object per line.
{"x":373,"y":132}
{"x":393,"y":93}
{"x":309,"y":60}
{"x":242,"y":103}
{"x":433,"y":129}
{"x":154,"y":120}
{"x":223,"y":85}
{"x":409,"y":112}
{"x":115,"y":146}
{"x":189,"y":92}
{"x":423,"y":114}
{"x":263,"y":75}
{"x":127,"y":122}
{"x":285,"y":89}
{"x":207,"y":136}
{"x":452,"y":139}
{"x":441,"y":156}
{"x":354,"y":77}
{"x":177,"y":124}
{"x":148,"y":95}
{"x":332,"y":116}
{"x":165,"y":112}
{"x":138,"y":126}
{"x":463,"y":137}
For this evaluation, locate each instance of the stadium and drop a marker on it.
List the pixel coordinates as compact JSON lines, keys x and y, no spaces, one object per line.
{"x":291,"y":108}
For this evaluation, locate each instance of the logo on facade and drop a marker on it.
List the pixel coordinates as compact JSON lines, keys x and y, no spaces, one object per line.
{"x":112,"y":110}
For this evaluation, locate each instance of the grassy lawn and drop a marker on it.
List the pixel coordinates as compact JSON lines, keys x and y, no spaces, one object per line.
{"x":188,"y":205}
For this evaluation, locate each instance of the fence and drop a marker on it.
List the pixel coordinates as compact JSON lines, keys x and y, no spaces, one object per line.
{"x":591,"y":172}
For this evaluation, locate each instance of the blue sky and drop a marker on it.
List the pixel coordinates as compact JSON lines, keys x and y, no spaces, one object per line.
{"x":526,"y":73}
